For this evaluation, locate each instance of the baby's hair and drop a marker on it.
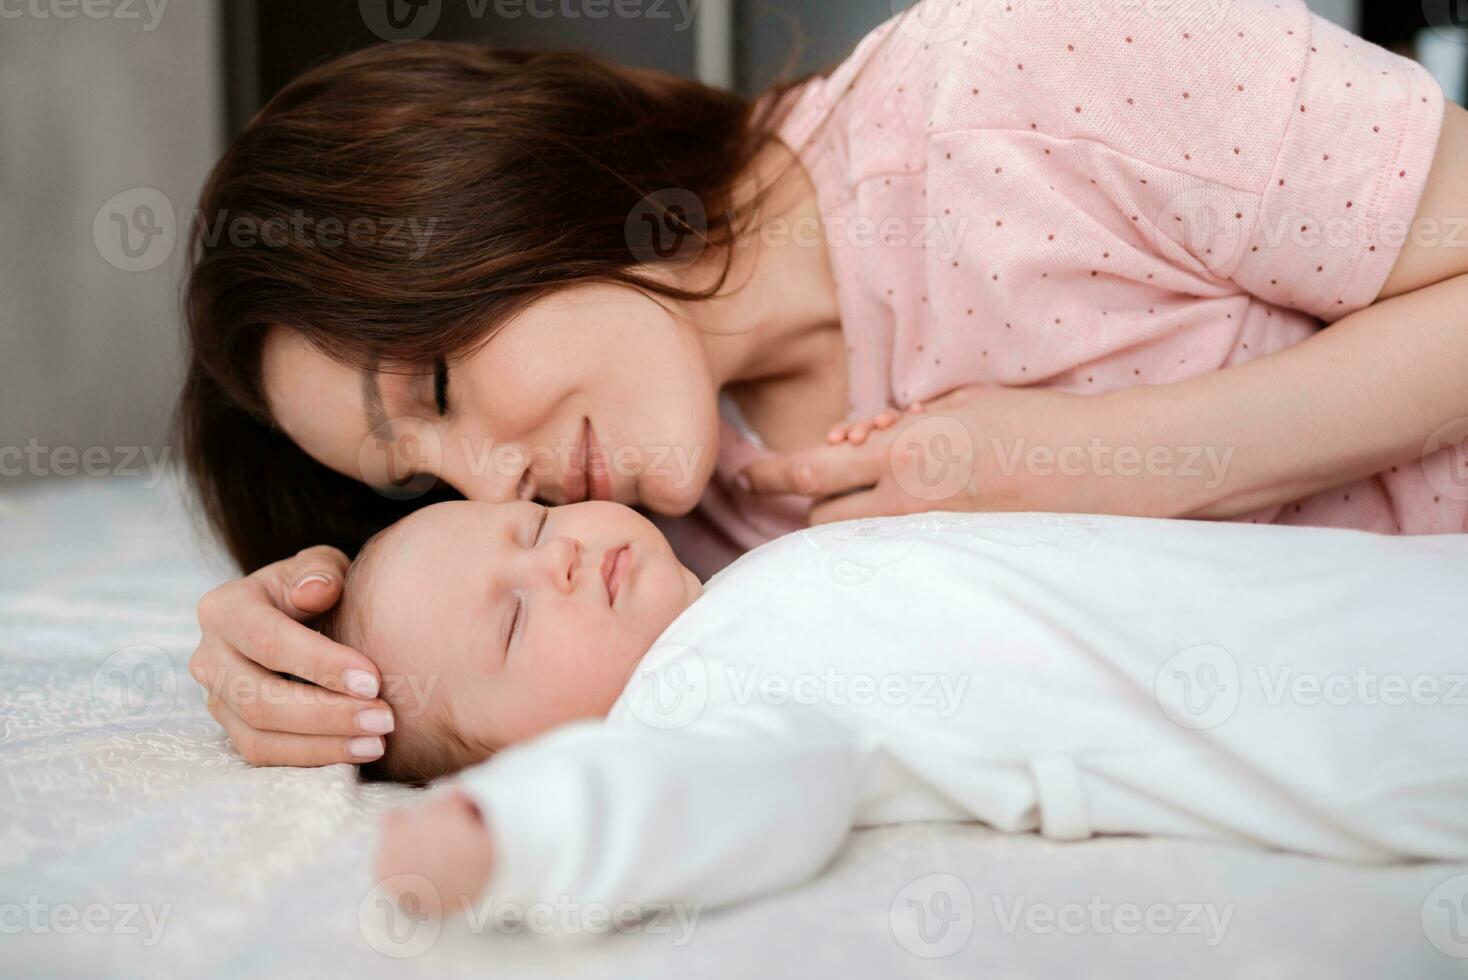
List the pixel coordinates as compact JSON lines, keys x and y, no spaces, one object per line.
{"x":424,"y":745}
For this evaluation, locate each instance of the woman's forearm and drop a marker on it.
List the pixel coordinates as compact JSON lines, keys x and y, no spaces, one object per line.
{"x":1353,"y":400}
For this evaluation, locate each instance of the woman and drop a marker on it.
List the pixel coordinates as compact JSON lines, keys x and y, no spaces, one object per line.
{"x":434,"y":269}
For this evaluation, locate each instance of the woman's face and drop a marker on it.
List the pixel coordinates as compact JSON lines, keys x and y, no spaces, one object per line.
{"x":596,"y":392}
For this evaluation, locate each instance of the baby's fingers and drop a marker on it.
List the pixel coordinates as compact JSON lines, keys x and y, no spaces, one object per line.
{"x":442,"y":848}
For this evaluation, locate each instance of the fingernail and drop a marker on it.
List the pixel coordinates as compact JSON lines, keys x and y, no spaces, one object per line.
{"x":742,"y":483}
{"x":360,"y":683}
{"x":313,"y":577}
{"x":365,"y":747}
{"x":375,"y":720}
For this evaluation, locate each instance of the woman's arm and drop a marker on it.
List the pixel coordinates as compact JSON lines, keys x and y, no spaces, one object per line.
{"x":1352,"y":400}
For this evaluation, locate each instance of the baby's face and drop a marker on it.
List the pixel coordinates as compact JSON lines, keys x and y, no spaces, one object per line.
{"x":521,"y":617}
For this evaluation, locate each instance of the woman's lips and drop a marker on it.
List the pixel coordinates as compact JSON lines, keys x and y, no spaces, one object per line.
{"x":599,"y":480}
{"x":591,"y":481}
{"x":614,"y":567}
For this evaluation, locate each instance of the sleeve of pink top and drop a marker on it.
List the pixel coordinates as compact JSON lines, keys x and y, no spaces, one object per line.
{"x":1337,"y":207}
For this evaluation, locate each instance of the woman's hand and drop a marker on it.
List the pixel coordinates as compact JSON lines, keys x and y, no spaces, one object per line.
{"x":988,"y":449}
{"x":436,"y":857}
{"x":252,"y":634}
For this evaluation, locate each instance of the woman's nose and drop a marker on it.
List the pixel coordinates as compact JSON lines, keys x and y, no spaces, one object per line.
{"x":492,"y":475}
{"x":561,"y":562}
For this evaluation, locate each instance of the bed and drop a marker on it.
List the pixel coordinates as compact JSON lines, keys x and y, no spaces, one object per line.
{"x":134,"y":843}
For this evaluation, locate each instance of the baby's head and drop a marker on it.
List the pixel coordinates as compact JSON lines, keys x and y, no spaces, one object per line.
{"x":493,"y":623}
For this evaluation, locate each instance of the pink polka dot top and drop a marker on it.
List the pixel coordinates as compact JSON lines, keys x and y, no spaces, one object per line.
{"x":1030,"y":193}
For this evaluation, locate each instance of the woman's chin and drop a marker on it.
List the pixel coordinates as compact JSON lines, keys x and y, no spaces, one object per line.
{"x":668,"y":501}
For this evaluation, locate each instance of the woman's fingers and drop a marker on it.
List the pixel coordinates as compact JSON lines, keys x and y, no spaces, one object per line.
{"x":313,"y":580}
{"x":274,"y":640}
{"x":820,"y":472}
{"x":847,"y":508}
{"x":241,"y":616}
{"x":891,"y":497}
{"x":268,"y":702}
{"x":252,"y":632}
{"x":265,"y":748}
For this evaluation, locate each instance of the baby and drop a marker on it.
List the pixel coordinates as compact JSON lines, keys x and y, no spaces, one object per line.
{"x":651,"y":740}
{"x":493,"y":623}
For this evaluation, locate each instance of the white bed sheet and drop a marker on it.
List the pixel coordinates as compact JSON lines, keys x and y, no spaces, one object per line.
{"x":120,"y":797}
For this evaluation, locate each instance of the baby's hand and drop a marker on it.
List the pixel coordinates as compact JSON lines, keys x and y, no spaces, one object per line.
{"x":856,"y":432}
{"x":445,"y":843}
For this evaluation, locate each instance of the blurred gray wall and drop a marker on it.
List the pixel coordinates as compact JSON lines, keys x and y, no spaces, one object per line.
{"x":91,"y":107}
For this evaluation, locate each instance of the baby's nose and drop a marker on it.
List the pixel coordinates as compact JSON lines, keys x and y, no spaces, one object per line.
{"x":563,"y":563}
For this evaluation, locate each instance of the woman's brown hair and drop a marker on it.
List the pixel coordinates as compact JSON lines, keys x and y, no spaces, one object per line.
{"x":400,"y":203}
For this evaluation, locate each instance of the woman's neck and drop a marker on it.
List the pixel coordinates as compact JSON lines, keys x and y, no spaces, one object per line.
{"x":772,"y":335}
{"x":777,"y":316}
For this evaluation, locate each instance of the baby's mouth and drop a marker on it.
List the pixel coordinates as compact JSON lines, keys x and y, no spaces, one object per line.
{"x":614,"y":566}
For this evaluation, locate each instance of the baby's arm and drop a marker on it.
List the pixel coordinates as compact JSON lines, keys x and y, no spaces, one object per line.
{"x":443,"y":842}
{"x":739,"y":803}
